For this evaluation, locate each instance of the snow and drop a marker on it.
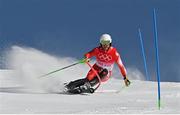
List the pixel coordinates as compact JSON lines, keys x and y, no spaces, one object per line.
{"x":112,"y":97}
{"x":22,"y":91}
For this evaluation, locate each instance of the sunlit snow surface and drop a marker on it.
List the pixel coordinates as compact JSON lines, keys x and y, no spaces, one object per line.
{"x":22,"y":91}
{"x":111,"y":97}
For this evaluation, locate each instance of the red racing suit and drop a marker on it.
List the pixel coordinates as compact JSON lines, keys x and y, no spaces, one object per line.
{"x":105,"y":60}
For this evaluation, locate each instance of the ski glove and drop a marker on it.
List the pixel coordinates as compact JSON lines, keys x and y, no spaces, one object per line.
{"x":84,"y":60}
{"x":126,"y":81}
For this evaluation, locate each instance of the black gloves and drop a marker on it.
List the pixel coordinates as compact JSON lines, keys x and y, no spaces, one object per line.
{"x":126,"y":81}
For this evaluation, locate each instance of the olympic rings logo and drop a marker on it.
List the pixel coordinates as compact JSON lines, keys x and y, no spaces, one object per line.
{"x":104,"y":57}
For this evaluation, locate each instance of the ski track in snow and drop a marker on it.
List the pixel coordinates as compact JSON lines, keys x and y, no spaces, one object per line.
{"x":112,"y":98}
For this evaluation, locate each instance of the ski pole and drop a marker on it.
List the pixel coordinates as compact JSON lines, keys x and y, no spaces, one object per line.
{"x":123,"y":88}
{"x":79,"y":62}
{"x":95,"y":73}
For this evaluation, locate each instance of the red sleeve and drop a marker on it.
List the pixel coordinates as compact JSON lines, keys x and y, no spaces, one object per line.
{"x":91,"y":53}
{"x":120,"y":64}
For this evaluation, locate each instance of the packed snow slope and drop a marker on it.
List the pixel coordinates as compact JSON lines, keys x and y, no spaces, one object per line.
{"x":22,"y":91}
{"x":111,"y":97}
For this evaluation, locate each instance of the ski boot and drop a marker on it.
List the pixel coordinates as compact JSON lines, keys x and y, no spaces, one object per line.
{"x":86,"y":88}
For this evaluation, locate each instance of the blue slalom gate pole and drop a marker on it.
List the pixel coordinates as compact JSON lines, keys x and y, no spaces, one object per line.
{"x":157,"y":56}
{"x":143,"y":54}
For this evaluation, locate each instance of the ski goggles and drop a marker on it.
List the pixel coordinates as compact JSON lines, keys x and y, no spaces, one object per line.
{"x":105,"y":42}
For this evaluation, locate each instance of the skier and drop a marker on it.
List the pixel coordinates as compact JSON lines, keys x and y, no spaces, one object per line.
{"x":105,"y":55}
